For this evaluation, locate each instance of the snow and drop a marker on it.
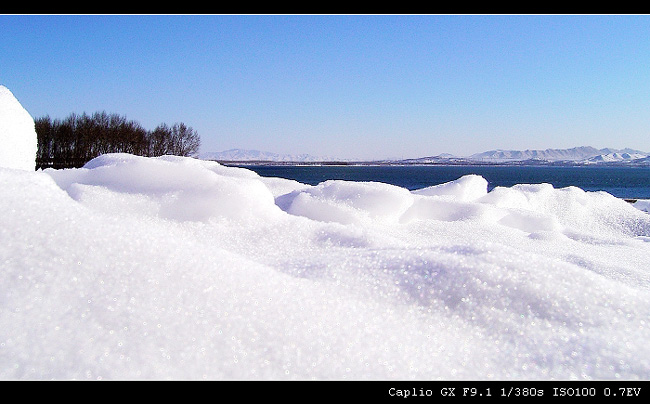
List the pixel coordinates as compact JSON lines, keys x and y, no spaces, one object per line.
{"x":135,"y":268}
{"x":643,"y":204}
{"x":611,"y":157}
{"x":579,"y":155}
{"x":17,"y":133}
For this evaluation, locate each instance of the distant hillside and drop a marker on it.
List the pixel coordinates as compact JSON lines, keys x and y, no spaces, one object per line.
{"x":256,"y":155}
{"x":578,"y":155}
{"x":617,"y":156}
{"x":573,"y":154}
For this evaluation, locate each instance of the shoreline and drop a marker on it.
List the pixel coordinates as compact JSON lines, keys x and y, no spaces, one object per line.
{"x":442,"y":162}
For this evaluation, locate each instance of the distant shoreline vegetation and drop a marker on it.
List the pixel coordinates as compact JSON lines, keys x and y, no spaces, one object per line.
{"x":77,"y":139}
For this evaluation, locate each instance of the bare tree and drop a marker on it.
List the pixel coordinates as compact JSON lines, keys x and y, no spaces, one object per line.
{"x":79,"y":138}
{"x":184,"y":140}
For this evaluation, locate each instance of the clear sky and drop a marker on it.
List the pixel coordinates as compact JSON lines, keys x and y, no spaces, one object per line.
{"x":347,"y":86}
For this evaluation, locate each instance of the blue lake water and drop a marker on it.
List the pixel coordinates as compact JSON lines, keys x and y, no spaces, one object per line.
{"x":622,"y":182}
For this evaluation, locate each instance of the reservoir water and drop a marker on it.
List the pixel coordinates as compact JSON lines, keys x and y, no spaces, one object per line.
{"x":622,"y":182}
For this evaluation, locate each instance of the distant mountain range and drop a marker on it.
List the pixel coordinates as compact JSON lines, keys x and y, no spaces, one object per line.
{"x":242,"y":155}
{"x":584,"y":155}
{"x":573,"y":154}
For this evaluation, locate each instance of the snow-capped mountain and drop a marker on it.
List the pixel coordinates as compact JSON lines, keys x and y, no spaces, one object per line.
{"x":573,"y":154}
{"x":615,"y":157}
{"x":584,"y":154}
{"x":578,"y":155}
{"x":257,"y":155}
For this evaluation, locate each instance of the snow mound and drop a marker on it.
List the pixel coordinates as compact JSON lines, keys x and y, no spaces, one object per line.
{"x":540,"y":207}
{"x":466,"y":188}
{"x":348,"y":202}
{"x":17,"y":134}
{"x":177,"y":268}
{"x":168,"y":187}
{"x":643,"y":205}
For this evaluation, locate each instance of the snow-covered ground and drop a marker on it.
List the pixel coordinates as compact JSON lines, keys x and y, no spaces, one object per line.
{"x":178,"y":268}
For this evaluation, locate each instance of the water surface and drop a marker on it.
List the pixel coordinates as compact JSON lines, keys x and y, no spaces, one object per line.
{"x":622,"y":182}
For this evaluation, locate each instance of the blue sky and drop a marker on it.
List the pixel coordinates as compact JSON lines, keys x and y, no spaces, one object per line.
{"x":347,"y":86}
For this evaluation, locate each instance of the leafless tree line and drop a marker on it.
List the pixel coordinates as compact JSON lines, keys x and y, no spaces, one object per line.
{"x":77,"y":139}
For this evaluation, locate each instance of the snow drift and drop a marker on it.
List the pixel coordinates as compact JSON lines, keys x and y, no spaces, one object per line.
{"x":17,"y":133}
{"x":176,"y":268}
